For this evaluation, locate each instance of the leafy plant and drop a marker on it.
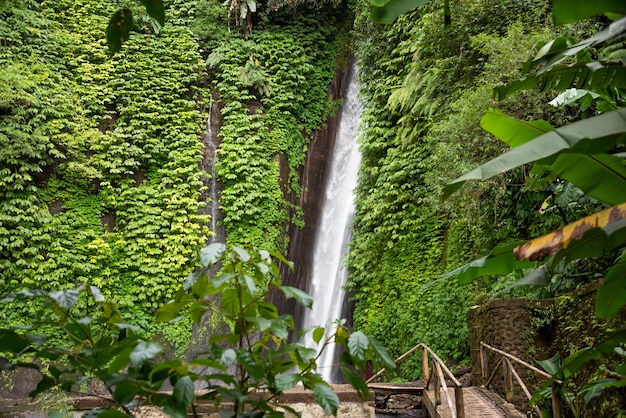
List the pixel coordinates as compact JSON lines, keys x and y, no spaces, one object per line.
{"x":247,"y":366}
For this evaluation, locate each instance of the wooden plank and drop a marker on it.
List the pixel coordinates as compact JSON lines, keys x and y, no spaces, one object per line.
{"x":381,"y":387}
{"x":479,"y":403}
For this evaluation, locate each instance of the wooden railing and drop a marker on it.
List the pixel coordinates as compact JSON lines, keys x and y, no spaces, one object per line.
{"x":439,"y":368}
{"x":506,"y":362}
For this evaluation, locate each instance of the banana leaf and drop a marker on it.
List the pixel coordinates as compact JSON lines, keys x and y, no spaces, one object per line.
{"x":568,"y":11}
{"x":513,"y":132}
{"x":588,"y":137}
{"x":499,"y":261}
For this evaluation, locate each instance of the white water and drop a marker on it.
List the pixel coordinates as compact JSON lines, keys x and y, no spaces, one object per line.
{"x":329,"y":276}
{"x":213,"y":192}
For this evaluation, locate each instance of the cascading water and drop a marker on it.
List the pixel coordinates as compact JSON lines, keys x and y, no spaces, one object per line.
{"x":209,"y":163}
{"x":334,"y":232}
{"x":212,"y":150}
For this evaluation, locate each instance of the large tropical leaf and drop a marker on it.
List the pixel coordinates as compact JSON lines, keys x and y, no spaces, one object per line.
{"x":499,"y":261}
{"x":582,"y":75}
{"x":611,"y":294}
{"x":559,"y":49}
{"x":386,"y":11}
{"x":567,"y":11}
{"x":538,"y":277}
{"x":513,"y":132}
{"x":589,"y":136}
{"x":590,"y":236}
{"x":606,"y":347}
{"x":601,"y":176}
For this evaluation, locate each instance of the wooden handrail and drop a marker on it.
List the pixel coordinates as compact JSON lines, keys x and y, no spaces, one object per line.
{"x":510,"y":372}
{"x":439,"y":368}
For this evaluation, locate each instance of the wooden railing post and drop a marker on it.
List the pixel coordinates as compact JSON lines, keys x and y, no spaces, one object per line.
{"x":484,"y":362}
{"x":458,"y":398}
{"x":508,"y":379}
{"x":425,"y":366}
{"x":556,"y":402}
{"x":436,"y":384}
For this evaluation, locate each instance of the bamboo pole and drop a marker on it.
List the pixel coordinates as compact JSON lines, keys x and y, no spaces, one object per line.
{"x":517,"y":360}
{"x":442,"y":380}
{"x":508,"y":379}
{"x":524,"y":389}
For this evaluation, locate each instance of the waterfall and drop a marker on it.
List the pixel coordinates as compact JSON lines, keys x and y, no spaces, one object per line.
{"x":334,"y":232}
{"x":212,"y":151}
{"x":209,"y":163}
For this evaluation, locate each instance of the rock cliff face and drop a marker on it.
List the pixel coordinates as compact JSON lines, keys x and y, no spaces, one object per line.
{"x":313,"y":178}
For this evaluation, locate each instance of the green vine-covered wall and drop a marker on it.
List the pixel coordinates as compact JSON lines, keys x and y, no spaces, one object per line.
{"x":100,"y":179}
{"x":425,"y":88}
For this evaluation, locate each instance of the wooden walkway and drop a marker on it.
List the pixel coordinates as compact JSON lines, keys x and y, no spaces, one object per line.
{"x":479,"y":403}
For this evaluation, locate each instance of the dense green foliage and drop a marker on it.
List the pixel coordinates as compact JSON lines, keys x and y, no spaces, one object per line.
{"x":243,"y":372}
{"x":426,"y":88}
{"x":266,"y":114}
{"x":100,"y":180}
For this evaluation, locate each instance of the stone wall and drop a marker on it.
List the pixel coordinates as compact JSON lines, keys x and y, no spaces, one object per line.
{"x":536,"y":330}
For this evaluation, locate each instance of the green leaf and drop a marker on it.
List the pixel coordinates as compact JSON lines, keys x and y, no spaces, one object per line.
{"x":222,"y":280}
{"x":499,"y":261}
{"x":174,"y":410}
{"x":184,"y":391}
{"x":589,"y":136}
{"x":229,"y":302}
{"x":192,"y":279}
{"x":568,"y":11}
{"x":581,"y":75}
{"x":306,"y":354}
{"x":611,"y":295}
{"x":282,"y":258}
{"x":144,"y":351}
{"x":380,"y":354}
{"x":267,"y":310}
{"x":227,"y":357}
{"x":357,"y":383}
{"x":386,"y":11}
{"x":242,"y":254}
{"x":65,"y":298}
{"x":254,"y":369}
{"x":287,"y":381}
{"x":118,"y":29}
{"x":318,"y":334}
{"x":600,"y":176}
{"x":604,"y":348}
{"x":357,"y":345}
{"x":512,"y":131}
{"x":168,"y":312}
{"x":326,"y":398}
{"x":596,"y":388}
{"x":78,"y":331}
{"x":10,"y":341}
{"x":300,"y":296}
{"x":155,"y":10}
{"x":551,"y":365}
{"x":23,"y":293}
{"x":249,"y":285}
{"x":96,"y":294}
{"x":537,"y":277}
{"x":212,"y":253}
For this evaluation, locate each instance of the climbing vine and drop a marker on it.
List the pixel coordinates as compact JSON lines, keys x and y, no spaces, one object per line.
{"x":426,"y":87}
{"x":101,"y":181}
{"x":100,"y":155}
{"x":273,"y":89}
